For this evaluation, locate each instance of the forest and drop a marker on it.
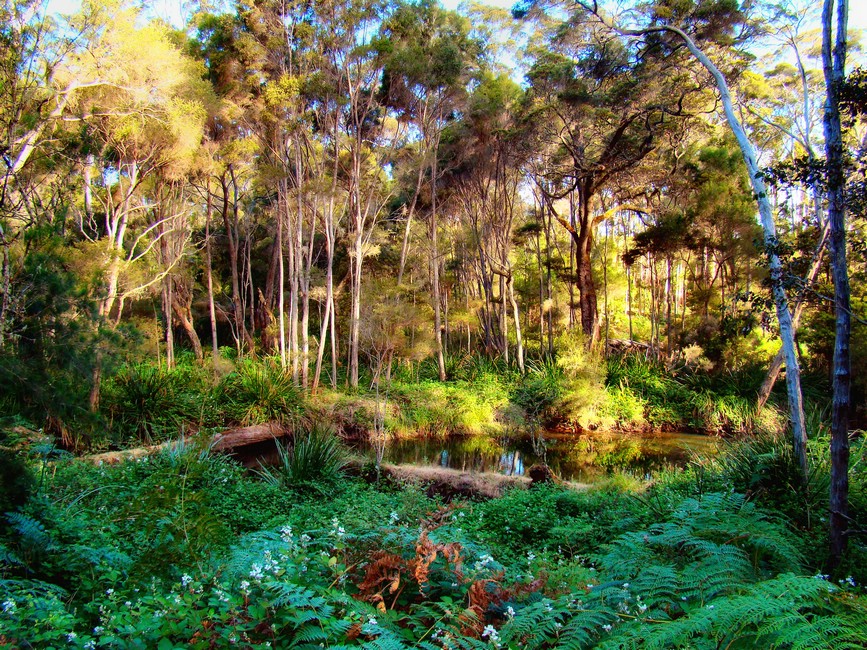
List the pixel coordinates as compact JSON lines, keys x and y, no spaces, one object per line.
{"x":251,"y":252}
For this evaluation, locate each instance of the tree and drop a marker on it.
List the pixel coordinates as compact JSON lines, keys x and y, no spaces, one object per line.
{"x":834,"y":68}
{"x":429,"y":57}
{"x":714,"y":23}
{"x":597,"y":107}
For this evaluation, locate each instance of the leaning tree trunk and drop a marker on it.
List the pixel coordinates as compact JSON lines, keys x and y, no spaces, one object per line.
{"x":784,"y":316}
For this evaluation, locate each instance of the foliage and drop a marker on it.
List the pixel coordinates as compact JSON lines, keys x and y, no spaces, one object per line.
{"x":686,"y":398}
{"x":148,"y":404}
{"x":257,"y":393}
{"x":184,"y":548}
{"x":316,"y":459}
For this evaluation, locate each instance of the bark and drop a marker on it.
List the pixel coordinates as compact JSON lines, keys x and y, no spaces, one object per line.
{"x":435,"y":274}
{"x":834,"y":63}
{"x":517,"y":317}
{"x":281,"y":282}
{"x":7,"y":283}
{"x":212,"y":312}
{"x":231,"y":226}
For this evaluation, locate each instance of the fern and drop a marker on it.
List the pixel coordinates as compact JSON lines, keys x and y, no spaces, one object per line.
{"x":31,"y":533}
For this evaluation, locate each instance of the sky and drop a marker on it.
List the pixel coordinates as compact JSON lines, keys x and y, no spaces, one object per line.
{"x":171,"y":9}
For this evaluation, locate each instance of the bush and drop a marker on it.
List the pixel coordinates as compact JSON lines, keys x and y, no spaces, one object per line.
{"x":148,"y":404}
{"x":258,"y":393}
{"x":316,"y":459}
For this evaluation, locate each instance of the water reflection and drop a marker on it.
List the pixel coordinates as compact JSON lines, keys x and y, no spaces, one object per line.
{"x":584,"y":457}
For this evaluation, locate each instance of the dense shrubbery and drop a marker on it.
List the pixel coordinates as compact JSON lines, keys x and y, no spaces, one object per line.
{"x":145,"y":404}
{"x":186,"y":549}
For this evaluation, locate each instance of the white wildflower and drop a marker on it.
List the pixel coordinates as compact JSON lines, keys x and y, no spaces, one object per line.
{"x":607,"y":628}
{"x":186,"y":580}
{"x":510,"y":611}
{"x":491,"y":632}
{"x":9,"y":606}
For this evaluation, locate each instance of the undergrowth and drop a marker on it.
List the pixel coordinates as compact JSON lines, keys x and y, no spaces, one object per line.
{"x":186,"y":549}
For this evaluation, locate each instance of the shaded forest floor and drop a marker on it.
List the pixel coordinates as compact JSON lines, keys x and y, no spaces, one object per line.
{"x":188,"y":549}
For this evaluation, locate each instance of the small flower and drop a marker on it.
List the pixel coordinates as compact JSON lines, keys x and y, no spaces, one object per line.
{"x":607,"y":628}
{"x":256,"y":572}
{"x":109,"y":592}
{"x":393,"y":517}
{"x":510,"y":612}
{"x":9,"y":606}
{"x":90,"y":645}
{"x":128,"y":603}
{"x":371,"y":620}
{"x":71,"y":637}
{"x":626,"y":585}
{"x":245,"y":586}
{"x":186,"y":580}
{"x":98,"y":629}
{"x":491,"y":632}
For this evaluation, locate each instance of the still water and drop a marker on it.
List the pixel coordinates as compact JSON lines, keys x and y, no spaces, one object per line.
{"x":584,"y":457}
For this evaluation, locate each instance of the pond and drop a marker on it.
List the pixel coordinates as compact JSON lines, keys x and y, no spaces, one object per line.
{"x":584,"y":457}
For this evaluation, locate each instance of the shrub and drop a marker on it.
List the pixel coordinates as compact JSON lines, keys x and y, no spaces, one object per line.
{"x":148,"y":404}
{"x":316,"y":459}
{"x":258,"y":393}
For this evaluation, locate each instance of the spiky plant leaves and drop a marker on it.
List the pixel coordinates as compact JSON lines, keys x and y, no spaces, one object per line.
{"x":148,"y":404}
{"x":258,"y":393}
{"x":316,"y":458}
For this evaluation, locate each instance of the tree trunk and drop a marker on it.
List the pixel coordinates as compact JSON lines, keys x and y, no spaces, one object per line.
{"x":215,"y":350}
{"x":435,"y":273}
{"x":834,"y":64}
{"x":517,"y":317}
{"x":793,"y":372}
{"x":281,"y":274}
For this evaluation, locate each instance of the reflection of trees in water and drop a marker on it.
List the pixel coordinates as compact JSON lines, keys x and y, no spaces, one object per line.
{"x":585,"y":457}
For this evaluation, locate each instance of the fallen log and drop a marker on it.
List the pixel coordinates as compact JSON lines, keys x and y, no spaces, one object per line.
{"x":224,"y":441}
